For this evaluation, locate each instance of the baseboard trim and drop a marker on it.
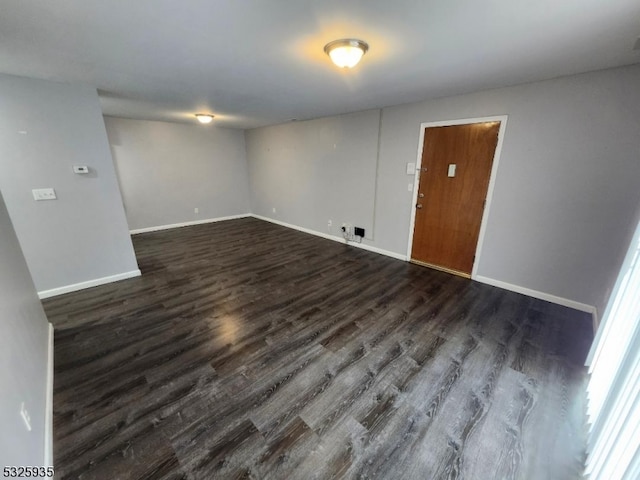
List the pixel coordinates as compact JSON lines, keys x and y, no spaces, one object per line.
{"x":583,"y":307}
{"x":187,"y":224}
{"x":48,"y":414}
{"x":88,"y":284}
{"x":333,"y":238}
{"x":300,"y":229}
{"x":388,"y":253}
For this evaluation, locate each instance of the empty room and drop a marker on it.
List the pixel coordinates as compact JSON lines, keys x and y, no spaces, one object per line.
{"x":320,"y":240}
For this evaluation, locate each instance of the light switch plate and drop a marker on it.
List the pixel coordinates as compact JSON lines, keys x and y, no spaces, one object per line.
{"x":411,"y":168}
{"x":452,"y":170}
{"x":44,"y":194}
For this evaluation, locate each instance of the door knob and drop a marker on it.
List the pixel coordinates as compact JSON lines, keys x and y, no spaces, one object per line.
{"x":419,"y":205}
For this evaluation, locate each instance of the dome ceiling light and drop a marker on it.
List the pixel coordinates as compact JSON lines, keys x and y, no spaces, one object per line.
{"x":347,"y":52}
{"x":204,"y":117}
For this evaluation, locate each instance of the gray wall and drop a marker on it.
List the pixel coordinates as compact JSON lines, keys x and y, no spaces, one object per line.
{"x":566,"y":189}
{"x":45,"y":129}
{"x":23,"y":355}
{"x":166,"y":170}
{"x":315,"y":171}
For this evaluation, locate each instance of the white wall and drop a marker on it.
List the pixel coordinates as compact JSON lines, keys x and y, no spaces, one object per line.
{"x":166,"y":170}
{"x":23,"y":355}
{"x":315,"y":171}
{"x":566,"y":189}
{"x":45,"y":129}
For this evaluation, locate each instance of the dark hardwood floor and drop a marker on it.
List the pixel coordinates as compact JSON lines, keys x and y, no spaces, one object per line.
{"x":248,"y":350}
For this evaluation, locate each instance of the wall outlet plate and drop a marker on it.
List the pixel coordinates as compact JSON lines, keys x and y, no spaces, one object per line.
{"x":82,"y":169}
{"x":44,"y":194}
{"x":347,"y":231}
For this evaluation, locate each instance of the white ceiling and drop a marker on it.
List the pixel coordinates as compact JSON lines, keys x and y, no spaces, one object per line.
{"x":260,"y":62}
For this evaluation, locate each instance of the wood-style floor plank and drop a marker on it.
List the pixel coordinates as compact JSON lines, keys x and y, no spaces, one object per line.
{"x":248,"y":350}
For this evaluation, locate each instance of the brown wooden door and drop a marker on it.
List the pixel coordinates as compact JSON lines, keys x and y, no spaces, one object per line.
{"x":449,"y":209}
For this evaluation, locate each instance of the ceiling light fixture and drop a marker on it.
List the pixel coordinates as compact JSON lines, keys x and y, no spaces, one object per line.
{"x":204,"y":117}
{"x":347,"y":52}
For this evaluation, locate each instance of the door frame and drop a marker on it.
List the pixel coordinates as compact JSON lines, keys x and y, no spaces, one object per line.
{"x":492,"y":179}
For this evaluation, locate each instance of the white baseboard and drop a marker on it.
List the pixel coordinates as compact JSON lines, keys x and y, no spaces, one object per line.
{"x":583,"y":307}
{"x":48,"y":414}
{"x":388,"y":253}
{"x":88,"y":284}
{"x":187,"y":224}
{"x":300,"y":229}
{"x":335,"y":238}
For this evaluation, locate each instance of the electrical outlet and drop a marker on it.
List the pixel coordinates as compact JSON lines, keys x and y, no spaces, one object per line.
{"x":329,"y":224}
{"x":44,"y":194}
{"x":196,"y":210}
{"x":347,"y":231}
{"x":25,"y":416}
{"x":274,"y":209}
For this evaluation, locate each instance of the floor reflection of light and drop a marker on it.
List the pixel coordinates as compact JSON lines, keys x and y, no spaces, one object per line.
{"x":229,"y":328}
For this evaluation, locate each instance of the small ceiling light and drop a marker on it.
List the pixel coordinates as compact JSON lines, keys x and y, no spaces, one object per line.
{"x":346,"y":53}
{"x":204,"y":117}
